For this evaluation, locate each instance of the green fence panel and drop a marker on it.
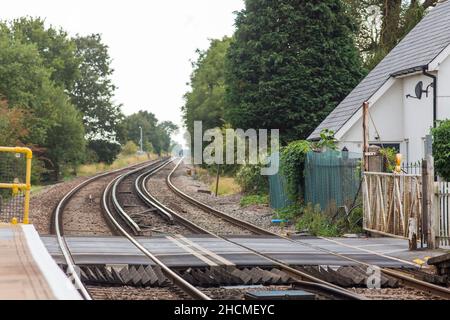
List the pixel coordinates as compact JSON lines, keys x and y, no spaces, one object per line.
{"x":278,"y":193}
{"x":332,"y":178}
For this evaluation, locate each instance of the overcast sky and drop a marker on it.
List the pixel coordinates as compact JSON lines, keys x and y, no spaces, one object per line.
{"x":151,"y":41}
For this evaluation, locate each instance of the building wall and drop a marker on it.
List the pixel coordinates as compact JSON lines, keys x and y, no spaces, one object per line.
{"x":403,"y":120}
{"x":418,"y":119}
{"x":387,"y":114}
{"x":443,"y":109}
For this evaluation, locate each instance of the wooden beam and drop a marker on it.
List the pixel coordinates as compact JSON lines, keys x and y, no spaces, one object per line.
{"x":366,"y":135}
{"x":430,"y":212}
{"x":433,"y":220}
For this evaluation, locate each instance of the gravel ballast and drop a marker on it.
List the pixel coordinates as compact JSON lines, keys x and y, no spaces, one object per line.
{"x":157,"y":186}
{"x":259,"y":215}
{"x":43,"y":203}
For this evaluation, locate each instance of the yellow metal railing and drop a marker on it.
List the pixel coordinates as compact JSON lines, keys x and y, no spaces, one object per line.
{"x":24,"y":187}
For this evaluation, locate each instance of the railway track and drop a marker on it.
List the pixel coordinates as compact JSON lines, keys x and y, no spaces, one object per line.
{"x":130,"y":209}
{"x":117,"y":214}
{"x":405,"y":279}
{"x":57,"y":225}
{"x":135,"y":209}
{"x":193,"y":216}
{"x":209,"y":225}
{"x":124,"y":201}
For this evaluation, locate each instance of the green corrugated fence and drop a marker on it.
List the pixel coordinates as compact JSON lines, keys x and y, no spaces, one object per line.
{"x":278,"y":193}
{"x":332,"y":178}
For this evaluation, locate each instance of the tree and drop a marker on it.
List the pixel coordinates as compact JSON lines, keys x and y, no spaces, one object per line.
{"x":164,"y":131}
{"x":441,"y":149}
{"x":49,"y":116}
{"x":206,"y":99}
{"x":382,"y":24}
{"x":65,"y":142}
{"x":156,"y":136}
{"x":81,"y":66}
{"x":55,"y":48}
{"x":147,"y":121}
{"x":291,"y":62}
{"x":12,"y":126}
{"x":93,"y":91}
{"x":130,"y":148}
{"x":25,"y":83}
{"x":106,"y":150}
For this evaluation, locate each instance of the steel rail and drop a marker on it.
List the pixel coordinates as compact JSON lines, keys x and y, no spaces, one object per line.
{"x":151,"y":201}
{"x":220,"y":214}
{"x":124,"y":216}
{"x":406,"y":280}
{"x":57,"y":228}
{"x":175,"y":278}
{"x":419,"y":284}
{"x":139,"y":186}
{"x":313,"y":282}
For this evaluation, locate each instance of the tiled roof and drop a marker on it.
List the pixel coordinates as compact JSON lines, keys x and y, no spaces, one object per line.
{"x":420,"y":47}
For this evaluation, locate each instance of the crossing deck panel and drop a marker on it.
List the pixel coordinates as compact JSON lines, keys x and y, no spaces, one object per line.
{"x":203,"y":251}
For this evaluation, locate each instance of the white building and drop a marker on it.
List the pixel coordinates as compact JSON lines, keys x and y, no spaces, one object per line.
{"x":398,"y":117}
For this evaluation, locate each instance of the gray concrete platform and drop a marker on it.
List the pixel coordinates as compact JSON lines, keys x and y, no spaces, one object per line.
{"x":27,"y":271}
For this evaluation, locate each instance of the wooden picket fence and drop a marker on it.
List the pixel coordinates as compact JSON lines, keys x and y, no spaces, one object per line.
{"x":443,"y":206}
{"x":390,"y":201}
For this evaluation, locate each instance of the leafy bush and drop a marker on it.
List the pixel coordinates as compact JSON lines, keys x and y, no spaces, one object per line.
{"x":91,"y":156}
{"x":251,"y":181}
{"x":255,"y":199}
{"x":293,"y":158}
{"x":327,"y":140}
{"x":292,"y":165}
{"x":317,"y":223}
{"x":441,"y":149}
{"x":389,"y":155}
{"x":38,"y":171}
{"x":354,"y":221}
{"x":312,"y":219}
{"x":106,"y":151}
{"x":129,"y":148}
{"x":148,"y":147}
{"x":291,"y":212}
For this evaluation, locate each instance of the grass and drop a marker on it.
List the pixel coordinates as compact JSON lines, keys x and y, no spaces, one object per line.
{"x":289,"y":213}
{"x":36,"y":189}
{"x":227,"y":186}
{"x":203,"y":175}
{"x":254,"y":199}
{"x":121,"y":162}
